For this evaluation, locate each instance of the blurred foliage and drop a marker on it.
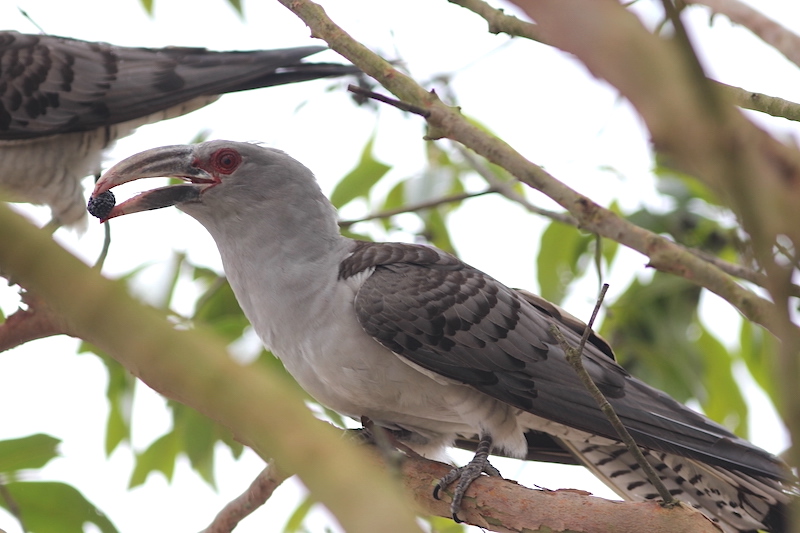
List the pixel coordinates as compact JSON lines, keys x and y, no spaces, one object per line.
{"x":657,"y":336}
{"x":654,"y":326}
{"x":43,"y":506}
{"x":26,"y":453}
{"x":52,"y":507}
{"x":359,"y":181}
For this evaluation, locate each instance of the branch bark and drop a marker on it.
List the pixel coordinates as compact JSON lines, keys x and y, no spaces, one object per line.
{"x":503,"y":505}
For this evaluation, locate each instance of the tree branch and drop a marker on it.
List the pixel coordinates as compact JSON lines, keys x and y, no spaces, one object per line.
{"x":194,"y":368}
{"x":770,"y":105}
{"x":499,"y":22}
{"x":410,"y":208}
{"x":503,"y":505}
{"x":254,"y":497}
{"x":445,"y":121}
{"x":772,"y":33}
{"x":36,"y":322}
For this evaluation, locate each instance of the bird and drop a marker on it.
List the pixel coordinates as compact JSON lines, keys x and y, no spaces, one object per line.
{"x":63,"y":103}
{"x":433,"y":350}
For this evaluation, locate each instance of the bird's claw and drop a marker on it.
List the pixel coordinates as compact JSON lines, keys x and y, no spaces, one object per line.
{"x":465,"y":476}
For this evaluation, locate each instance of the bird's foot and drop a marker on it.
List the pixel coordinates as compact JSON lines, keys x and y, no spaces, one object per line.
{"x":466,"y":475}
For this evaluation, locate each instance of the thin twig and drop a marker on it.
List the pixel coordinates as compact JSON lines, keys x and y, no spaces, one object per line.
{"x":254,"y":497}
{"x":409,"y":208}
{"x":101,"y":259}
{"x":499,"y":22}
{"x":574,"y":358}
{"x":391,"y":101}
{"x":741,"y":271}
{"x":763,"y":103}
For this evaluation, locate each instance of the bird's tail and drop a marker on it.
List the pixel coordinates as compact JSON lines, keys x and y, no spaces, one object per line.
{"x":737,"y":502}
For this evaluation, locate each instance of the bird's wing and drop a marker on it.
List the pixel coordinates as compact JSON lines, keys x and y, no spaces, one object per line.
{"x":456,"y":321}
{"x":52,"y":85}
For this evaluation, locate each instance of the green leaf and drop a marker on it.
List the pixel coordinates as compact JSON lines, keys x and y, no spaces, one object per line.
{"x":724,"y":401}
{"x":295,"y":522}
{"x":25,"y":453}
{"x":558,"y":263}
{"x":50,"y":507}
{"x":439,"y":524}
{"x":219,"y":309}
{"x":359,"y":181}
{"x":237,"y":6}
{"x":396,"y":197}
{"x":759,"y":349}
{"x":119,"y":391}
{"x":200,"y":137}
{"x":680,"y":186}
{"x":609,"y":247}
{"x":148,"y":6}
{"x":198,"y":435}
{"x":159,"y":456}
{"x":649,"y":327}
{"x":436,"y":231}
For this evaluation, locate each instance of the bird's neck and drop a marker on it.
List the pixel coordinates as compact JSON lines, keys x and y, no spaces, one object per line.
{"x":282,"y":263}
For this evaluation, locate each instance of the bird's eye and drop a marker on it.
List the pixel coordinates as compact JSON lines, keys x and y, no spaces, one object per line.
{"x":225,"y":160}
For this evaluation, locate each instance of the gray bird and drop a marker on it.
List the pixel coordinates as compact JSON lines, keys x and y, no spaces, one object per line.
{"x":64,"y":101}
{"x":433,"y":349}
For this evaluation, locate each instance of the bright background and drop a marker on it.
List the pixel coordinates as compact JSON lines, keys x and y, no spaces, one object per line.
{"x":539,"y":100}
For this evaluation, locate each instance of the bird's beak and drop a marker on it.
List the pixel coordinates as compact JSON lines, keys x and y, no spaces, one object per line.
{"x":168,"y":161}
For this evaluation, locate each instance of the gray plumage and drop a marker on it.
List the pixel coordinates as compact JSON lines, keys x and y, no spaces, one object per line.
{"x":64,"y":101}
{"x":433,"y":349}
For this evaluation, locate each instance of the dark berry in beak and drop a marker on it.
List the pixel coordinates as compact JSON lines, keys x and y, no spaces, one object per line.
{"x":101,"y":205}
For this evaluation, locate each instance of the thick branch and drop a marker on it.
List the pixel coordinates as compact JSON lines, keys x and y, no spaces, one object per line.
{"x":502,"y":505}
{"x":195,"y":369}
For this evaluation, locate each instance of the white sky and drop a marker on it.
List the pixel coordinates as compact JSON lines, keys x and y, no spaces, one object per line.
{"x":540,"y":101}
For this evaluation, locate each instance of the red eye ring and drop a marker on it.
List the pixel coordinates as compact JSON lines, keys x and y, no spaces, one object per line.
{"x":225,"y":160}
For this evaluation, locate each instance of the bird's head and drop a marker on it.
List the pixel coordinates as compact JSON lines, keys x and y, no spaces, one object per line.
{"x":223,"y":178}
